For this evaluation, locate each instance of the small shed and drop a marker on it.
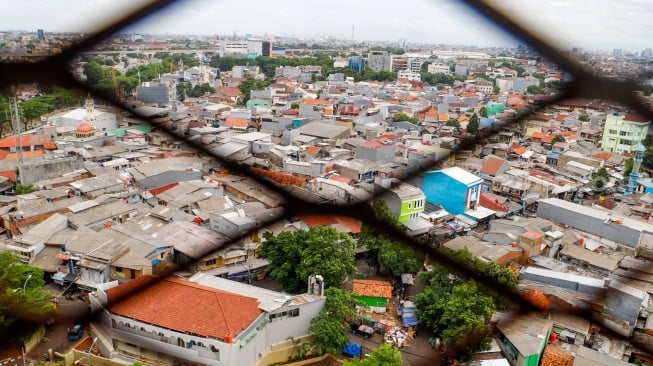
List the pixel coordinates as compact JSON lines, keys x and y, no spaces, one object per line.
{"x":374,"y":294}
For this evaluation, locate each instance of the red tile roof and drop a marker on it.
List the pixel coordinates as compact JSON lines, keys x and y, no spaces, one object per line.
{"x":491,"y":204}
{"x":340,"y":178}
{"x":373,"y":288}
{"x":158,"y":190}
{"x":492,"y":165}
{"x":186,"y":307}
{"x":635,"y":117}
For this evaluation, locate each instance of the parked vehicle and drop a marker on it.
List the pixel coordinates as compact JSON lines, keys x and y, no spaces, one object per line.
{"x":361,"y":329}
{"x":75,"y":333}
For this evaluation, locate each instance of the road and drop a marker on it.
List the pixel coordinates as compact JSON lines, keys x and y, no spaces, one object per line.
{"x":56,"y":336}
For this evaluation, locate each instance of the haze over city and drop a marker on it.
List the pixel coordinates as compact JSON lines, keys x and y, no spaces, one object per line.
{"x":420,"y":21}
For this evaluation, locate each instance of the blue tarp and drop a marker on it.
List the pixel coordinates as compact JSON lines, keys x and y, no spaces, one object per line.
{"x":352,"y":349}
{"x":408,"y":320}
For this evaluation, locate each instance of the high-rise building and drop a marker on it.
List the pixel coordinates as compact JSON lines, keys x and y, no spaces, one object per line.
{"x":40,"y":33}
{"x":267,"y":48}
{"x":357,"y":64}
{"x":617,"y":53}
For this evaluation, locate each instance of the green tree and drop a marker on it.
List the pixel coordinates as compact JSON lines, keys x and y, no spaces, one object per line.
{"x":456,"y":310}
{"x":294,"y":256}
{"x":583,"y":118}
{"x":628,"y":166}
{"x":294,"y":105}
{"x":30,"y":304}
{"x":402,"y":116}
{"x":483,"y":111}
{"x":327,"y":334}
{"x":558,"y":138}
{"x":384,"y":355}
{"x":452,"y":122}
{"x":534,"y":89}
{"x":473,"y":125}
{"x":341,"y":304}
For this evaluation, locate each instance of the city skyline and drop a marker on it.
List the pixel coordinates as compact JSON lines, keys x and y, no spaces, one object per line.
{"x":419,"y":21}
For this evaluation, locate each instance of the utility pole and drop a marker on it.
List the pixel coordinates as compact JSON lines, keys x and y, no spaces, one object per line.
{"x":16,"y":118}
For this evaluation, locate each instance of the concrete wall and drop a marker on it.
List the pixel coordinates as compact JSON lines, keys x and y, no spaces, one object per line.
{"x":588,"y":223}
{"x":381,"y":155}
{"x":39,"y":170}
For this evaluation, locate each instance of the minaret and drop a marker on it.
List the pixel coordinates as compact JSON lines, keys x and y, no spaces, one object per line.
{"x":90,"y":111}
{"x":634,"y":174}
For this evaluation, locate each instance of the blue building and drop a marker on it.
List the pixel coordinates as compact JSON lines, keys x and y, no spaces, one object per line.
{"x":357,"y":64}
{"x":455,"y":189}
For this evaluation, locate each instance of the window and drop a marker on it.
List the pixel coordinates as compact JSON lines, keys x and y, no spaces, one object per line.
{"x":284,"y":314}
{"x":622,"y":133}
{"x":612,"y":132}
{"x":410,"y":205}
{"x":211,"y":262}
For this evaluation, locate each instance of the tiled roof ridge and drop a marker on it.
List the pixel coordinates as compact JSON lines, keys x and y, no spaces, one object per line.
{"x":222,"y":313}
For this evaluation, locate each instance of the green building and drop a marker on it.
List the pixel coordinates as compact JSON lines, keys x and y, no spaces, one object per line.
{"x":405,"y":201}
{"x":522,"y":338}
{"x":623,"y":133}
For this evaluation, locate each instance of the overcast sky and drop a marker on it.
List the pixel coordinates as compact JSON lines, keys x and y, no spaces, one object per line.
{"x":598,"y":24}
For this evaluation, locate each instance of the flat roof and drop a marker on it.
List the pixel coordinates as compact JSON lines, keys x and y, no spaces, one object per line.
{"x":462,"y":175}
{"x":599,"y":214}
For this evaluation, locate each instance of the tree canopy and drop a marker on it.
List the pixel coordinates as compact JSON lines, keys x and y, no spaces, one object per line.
{"x":294,"y":256}
{"x":402,"y":116}
{"x":456,"y":310}
{"x":384,"y":253}
{"x":29,"y":304}
{"x":329,"y":330}
{"x":384,"y":355}
{"x":483,"y":111}
{"x":558,"y":138}
{"x":473,"y":125}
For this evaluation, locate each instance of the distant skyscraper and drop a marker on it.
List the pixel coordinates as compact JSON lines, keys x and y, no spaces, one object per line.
{"x":40,"y":34}
{"x":617,"y":53}
{"x":647,"y":53}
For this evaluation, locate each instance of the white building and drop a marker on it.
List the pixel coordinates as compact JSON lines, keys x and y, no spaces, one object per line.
{"x":97,"y":120}
{"x":408,"y":74}
{"x":205,"y":320}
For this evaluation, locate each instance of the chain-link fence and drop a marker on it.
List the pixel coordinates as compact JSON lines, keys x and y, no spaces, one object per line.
{"x":586,"y":83}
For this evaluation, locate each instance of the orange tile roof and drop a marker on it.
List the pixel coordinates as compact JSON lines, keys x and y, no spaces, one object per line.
{"x":373,"y":288}
{"x":547,"y":138}
{"x":49,"y":145}
{"x":312,"y":150}
{"x":26,"y":154}
{"x":340,"y":178}
{"x":602,"y":155}
{"x":234,"y":122}
{"x":186,"y":307}
{"x":3,"y":154}
{"x":432,"y":112}
{"x":11,"y":174}
{"x":491,"y":204}
{"x":309,"y":101}
{"x":492,"y":165}
{"x":327,"y":111}
{"x":443,"y":117}
{"x":26,"y":140}
{"x":463,"y":118}
{"x":520,"y":150}
{"x":354,"y":225}
{"x":556,"y":357}
{"x":158,"y":190}
{"x":538,"y":135}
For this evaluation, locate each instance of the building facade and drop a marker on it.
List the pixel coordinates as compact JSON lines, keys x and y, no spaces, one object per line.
{"x":623,"y":132}
{"x":453,"y":188}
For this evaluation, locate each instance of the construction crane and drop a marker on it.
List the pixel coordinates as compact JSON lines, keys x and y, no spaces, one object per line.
{"x":114,"y":80}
